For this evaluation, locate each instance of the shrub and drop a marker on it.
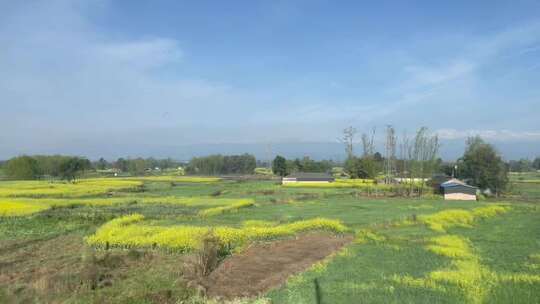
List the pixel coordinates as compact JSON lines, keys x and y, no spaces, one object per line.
{"x":207,"y":256}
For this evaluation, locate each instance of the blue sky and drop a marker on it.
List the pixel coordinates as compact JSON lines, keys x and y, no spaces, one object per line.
{"x":116,"y":78}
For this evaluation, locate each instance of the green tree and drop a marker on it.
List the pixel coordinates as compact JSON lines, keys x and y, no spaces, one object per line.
{"x":279,"y":166}
{"x":536,"y":163}
{"x":361,"y":167}
{"x":137,"y":166}
{"x":483,"y":166}
{"x":22,"y":167}
{"x":102,"y":164}
{"x":72,"y":167}
{"x":121,"y":164}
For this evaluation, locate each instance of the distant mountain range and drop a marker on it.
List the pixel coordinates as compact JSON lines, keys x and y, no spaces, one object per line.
{"x":450,"y":150}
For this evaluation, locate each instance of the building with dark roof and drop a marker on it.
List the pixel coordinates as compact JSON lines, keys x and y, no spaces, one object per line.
{"x":308,"y":177}
{"x":454,"y":189}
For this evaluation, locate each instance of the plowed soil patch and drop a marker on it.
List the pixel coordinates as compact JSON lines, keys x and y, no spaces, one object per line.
{"x":265,"y":266}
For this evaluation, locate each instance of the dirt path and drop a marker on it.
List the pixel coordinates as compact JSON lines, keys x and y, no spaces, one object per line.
{"x":264,"y":266}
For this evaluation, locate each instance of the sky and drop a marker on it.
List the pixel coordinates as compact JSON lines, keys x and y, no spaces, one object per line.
{"x":183,"y":78}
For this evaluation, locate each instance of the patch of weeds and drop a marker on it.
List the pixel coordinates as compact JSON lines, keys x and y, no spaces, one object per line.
{"x":206,"y":258}
{"x":364,"y":236}
{"x":307,"y":196}
{"x":217,"y":193}
{"x":281,"y":200}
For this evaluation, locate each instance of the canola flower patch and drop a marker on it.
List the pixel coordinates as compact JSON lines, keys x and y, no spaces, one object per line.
{"x":356,"y":181}
{"x":69,"y":202}
{"x":450,"y":246}
{"x":366,"y":235}
{"x":15,"y":208}
{"x":465,"y":271}
{"x":224,"y":205}
{"x":440,"y":221}
{"x":258,"y":223}
{"x":130,"y":231}
{"x":80,"y":188}
{"x":177,"y":179}
{"x":244,"y":203}
{"x":357,"y":184}
{"x":189,"y":201}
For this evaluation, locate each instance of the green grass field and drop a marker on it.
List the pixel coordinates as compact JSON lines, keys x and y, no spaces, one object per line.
{"x":525,"y":185}
{"x":63,"y":248}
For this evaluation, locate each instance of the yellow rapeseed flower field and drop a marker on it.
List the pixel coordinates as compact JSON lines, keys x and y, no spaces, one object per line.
{"x":460,"y":218}
{"x":243,"y":203}
{"x":365,"y":184}
{"x":128,"y":231}
{"x":14,"y":208}
{"x":87,"y":187}
{"x":177,"y":179}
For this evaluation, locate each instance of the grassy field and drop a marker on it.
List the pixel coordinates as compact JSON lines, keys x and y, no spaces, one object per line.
{"x":525,"y":185}
{"x":131,"y":240}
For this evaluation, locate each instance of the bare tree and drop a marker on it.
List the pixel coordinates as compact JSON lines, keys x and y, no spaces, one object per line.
{"x":368,"y":144}
{"x":424,"y":155}
{"x":390,"y":146}
{"x":348,"y":139}
{"x":405,"y":154}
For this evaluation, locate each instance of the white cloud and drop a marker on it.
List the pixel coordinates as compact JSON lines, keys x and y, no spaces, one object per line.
{"x":494,"y":135}
{"x":59,"y":70}
{"x":63,"y":78}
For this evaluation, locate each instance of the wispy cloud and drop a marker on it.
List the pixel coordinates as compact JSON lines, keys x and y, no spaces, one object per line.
{"x":65,"y":79}
{"x":60,"y":62}
{"x":492,"y":135}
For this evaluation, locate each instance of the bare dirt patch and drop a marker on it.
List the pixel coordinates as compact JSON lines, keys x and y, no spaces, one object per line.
{"x":265,"y":266}
{"x":56,"y":269}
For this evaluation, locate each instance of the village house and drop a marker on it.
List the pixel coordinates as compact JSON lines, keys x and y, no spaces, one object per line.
{"x":454,"y":189}
{"x":308,"y":178}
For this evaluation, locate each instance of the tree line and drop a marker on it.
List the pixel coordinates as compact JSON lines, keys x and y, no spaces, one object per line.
{"x":42,"y":166}
{"x":524,"y":165}
{"x":222,"y":164}
{"x":283,"y":167}
{"x":411,"y":160}
{"x":27,"y":167}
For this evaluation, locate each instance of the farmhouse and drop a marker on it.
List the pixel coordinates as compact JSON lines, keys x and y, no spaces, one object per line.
{"x":308,"y":177}
{"x":455,"y":189}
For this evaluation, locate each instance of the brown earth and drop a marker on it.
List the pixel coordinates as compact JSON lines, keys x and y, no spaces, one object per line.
{"x":268,"y":265}
{"x":55,"y":269}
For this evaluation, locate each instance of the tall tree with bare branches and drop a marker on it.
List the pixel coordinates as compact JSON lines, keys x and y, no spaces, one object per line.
{"x":390,"y":155}
{"x":348,"y":139}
